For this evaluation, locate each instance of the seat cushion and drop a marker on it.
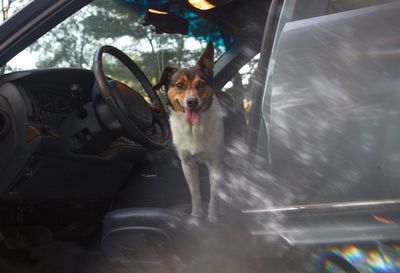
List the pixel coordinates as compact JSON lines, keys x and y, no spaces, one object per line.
{"x":140,"y":235}
{"x":160,"y":238}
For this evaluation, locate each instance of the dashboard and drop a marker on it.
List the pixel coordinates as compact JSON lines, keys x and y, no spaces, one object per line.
{"x":55,"y":136}
{"x":56,"y":99}
{"x":54,"y":94}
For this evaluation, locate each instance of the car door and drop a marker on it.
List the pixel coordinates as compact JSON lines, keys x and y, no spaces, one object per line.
{"x":330,"y":122}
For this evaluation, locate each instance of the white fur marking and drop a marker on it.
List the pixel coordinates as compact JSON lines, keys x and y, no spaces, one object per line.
{"x":202,"y":142}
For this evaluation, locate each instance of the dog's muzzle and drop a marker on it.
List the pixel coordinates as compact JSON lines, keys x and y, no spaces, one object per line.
{"x":192,"y":103}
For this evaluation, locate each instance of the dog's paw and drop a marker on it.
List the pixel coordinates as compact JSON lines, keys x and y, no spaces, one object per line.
{"x":212,"y":218}
{"x":197,"y":214}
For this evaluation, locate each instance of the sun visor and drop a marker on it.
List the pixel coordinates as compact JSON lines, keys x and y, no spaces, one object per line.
{"x":175,"y":17}
{"x":165,"y":22}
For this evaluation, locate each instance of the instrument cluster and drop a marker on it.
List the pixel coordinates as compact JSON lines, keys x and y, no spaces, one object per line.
{"x":57,"y":100}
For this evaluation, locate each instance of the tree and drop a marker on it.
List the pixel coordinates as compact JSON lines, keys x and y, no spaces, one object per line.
{"x":5,"y":8}
{"x":8,"y":7}
{"x":73,"y":42}
{"x":5,"y":12}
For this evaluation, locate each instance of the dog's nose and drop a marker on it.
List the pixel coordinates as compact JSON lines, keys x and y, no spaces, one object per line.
{"x":192,"y":102}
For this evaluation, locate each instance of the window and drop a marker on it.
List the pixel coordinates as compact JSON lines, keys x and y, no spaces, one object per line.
{"x":10,"y":7}
{"x":331,"y":101}
{"x":240,"y":87}
{"x":74,"y":41}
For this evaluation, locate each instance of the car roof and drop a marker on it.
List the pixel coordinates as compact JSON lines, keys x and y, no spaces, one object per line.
{"x":237,"y":18}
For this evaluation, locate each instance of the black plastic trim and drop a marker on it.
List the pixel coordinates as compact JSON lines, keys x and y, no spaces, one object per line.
{"x":266,"y":50}
{"x":4,"y":124}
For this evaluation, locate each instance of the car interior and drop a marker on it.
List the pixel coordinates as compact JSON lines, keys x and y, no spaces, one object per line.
{"x":89,"y":179}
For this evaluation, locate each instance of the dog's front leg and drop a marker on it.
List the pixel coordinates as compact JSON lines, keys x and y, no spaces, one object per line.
{"x":214,"y":168}
{"x":191,"y":172}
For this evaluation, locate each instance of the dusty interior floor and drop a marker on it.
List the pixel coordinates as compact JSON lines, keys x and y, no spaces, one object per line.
{"x":218,"y":253}
{"x":67,"y":258}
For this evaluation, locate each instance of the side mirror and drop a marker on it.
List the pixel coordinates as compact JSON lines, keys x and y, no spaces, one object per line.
{"x":165,"y":22}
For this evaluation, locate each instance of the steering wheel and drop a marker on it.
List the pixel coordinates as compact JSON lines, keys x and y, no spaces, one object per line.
{"x":121,"y":108}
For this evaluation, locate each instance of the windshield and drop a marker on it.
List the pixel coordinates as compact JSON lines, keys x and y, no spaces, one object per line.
{"x":72,"y":43}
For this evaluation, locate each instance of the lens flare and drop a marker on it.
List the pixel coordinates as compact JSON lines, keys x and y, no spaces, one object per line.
{"x":157,"y":11}
{"x":383,"y":219}
{"x":201,"y":4}
{"x":379,"y":259}
{"x":332,"y":268}
{"x":353,"y":254}
{"x":374,"y":259}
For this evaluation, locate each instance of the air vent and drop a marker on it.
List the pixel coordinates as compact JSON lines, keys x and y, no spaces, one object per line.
{"x":4,"y":124}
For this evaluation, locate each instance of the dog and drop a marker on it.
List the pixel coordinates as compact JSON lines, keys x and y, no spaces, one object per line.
{"x":197,"y":127}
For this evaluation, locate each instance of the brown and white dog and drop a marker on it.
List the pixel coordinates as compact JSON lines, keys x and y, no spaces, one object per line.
{"x":197,"y":126}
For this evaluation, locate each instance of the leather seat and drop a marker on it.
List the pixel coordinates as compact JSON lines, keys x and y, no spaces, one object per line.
{"x":161,"y":239}
{"x":140,"y":235}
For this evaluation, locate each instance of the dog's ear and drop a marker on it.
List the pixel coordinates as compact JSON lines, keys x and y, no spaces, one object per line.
{"x":165,"y":76}
{"x":206,"y":60}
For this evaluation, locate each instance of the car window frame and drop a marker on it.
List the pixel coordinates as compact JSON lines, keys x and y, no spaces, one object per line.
{"x":32,"y":22}
{"x":257,"y":129}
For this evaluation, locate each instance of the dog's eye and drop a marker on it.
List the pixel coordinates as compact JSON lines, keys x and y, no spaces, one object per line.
{"x":201,"y":85}
{"x":180,"y":85}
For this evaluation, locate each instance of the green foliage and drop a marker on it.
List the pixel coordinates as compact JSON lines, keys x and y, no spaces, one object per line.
{"x":74,"y":42}
{"x":67,"y":45}
{"x":111,"y":20}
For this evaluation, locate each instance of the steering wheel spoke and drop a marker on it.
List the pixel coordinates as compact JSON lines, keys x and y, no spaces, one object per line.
{"x":144,"y":123}
{"x":159,"y":122}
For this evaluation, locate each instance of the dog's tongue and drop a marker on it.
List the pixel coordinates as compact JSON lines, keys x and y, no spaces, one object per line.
{"x":191,"y":117}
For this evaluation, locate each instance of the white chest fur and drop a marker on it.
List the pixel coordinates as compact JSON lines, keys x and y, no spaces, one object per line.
{"x":203,"y":140}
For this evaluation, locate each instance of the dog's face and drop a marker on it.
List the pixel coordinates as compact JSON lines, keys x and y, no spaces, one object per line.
{"x":190,"y":89}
